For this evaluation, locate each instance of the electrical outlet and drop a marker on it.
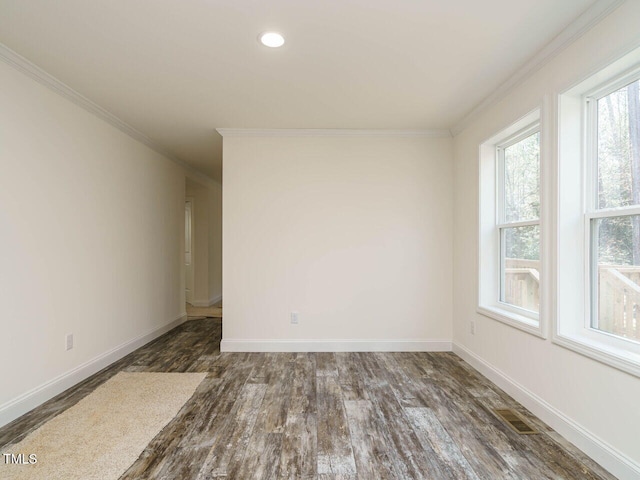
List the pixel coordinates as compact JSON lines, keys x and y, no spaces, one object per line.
{"x":472,"y":327}
{"x":295,"y":319}
{"x":69,"y":341}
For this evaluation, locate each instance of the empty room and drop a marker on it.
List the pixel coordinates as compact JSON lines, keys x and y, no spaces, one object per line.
{"x":297,"y":239}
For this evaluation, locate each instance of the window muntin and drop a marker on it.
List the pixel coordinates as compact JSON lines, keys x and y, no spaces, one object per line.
{"x":519,"y":220}
{"x":614,"y":213}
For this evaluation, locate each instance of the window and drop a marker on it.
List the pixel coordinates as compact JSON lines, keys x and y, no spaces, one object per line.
{"x":519,"y":220}
{"x":510,"y":242}
{"x":598,"y":257}
{"x":613,"y":213}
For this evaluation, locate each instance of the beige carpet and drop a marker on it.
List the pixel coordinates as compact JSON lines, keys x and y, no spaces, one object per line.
{"x":102,"y":435}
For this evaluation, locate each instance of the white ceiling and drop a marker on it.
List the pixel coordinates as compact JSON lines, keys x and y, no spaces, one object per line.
{"x":176,"y":70}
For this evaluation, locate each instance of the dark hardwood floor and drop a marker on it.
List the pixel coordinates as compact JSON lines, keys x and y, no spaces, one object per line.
{"x":328,"y":416}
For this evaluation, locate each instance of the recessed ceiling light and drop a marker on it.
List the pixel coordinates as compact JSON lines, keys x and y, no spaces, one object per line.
{"x":271,"y":39}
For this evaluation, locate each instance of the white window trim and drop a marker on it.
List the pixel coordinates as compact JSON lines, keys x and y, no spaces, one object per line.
{"x":572,"y":319}
{"x":489,"y":258}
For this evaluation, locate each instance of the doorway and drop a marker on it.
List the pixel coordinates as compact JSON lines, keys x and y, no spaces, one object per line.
{"x":203,"y":247}
{"x":188,"y":249}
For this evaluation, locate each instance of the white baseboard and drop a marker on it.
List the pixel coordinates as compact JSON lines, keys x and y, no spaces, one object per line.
{"x":17,"y":407}
{"x":206,"y":303}
{"x":617,"y":463}
{"x":335,"y":345}
{"x":199,"y":303}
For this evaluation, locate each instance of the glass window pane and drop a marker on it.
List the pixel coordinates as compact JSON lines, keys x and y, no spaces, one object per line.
{"x":619,"y":148}
{"x":522,"y":180}
{"x":618,"y":282}
{"x":521,"y":267}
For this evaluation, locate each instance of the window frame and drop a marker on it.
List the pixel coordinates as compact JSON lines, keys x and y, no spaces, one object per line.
{"x":575,"y":204}
{"x":491,"y":224}
{"x":502,"y":224}
{"x":593,"y":213}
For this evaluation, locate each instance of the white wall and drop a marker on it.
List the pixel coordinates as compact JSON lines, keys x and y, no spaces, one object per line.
{"x":354,"y":233}
{"x":91,"y":242}
{"x":215,"y":243}
{"x":595,"y":406}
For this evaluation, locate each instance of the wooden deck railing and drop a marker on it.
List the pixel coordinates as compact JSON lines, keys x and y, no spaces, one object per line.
{"x":619,"y":300}
{"x":522,"y":283}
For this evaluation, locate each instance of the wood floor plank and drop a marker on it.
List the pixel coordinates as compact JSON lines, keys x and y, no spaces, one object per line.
{"x":300,"y":436}
{"x":326,"y":365}
{"x":265,"y":368}
{"x":350,"y":378}
{"x":207,"y":363}
{"x":412,"y":459}
{"x":262,"y":458}
{"x":235,"y":437}
{"x":407,"y":389}
{"x":370,"y":450}
{"x":303,"y":384}
{"x":335,"y":454}
{"x":272,"y":415}
{"x":430,"y":431}
{"x":299,"y":447}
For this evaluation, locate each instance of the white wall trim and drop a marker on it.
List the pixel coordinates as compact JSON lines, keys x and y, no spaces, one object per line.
{"x":23,"y":65}
{"x":251,"y":345}
{"x":329,"y":132}
{"x":616,"y":462}
{"x":200,"y":303}
{"x":206,"y":303}
{"x":22,"y":404}
{"x":581,"y":25}
{"x":214,"y":300}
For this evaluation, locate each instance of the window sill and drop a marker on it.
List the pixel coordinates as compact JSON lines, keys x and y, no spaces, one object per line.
{"x":515,"y":320}
{"x":621,"y":359}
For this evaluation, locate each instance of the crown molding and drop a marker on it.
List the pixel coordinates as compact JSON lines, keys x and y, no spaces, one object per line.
{"x":581,"y":25}
{"x":329,"y":132}
{"x":28,"y":68}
